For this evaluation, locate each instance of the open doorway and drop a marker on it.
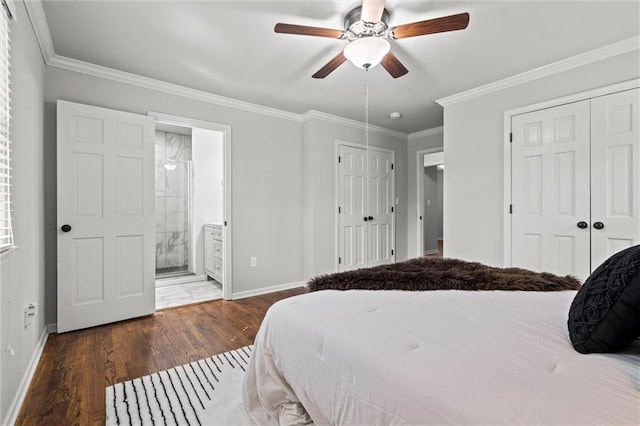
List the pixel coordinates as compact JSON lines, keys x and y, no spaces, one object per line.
{"x":193,"y":238}
{"x":173,"y":202}
{"x":430,"y":202}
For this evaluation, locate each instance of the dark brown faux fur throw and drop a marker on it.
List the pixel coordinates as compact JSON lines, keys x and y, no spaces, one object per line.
{"x":433,"y":273}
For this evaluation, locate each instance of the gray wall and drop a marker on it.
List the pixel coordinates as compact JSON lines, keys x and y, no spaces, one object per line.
{"x":266,"y":176}
{"x":22,"y":272}
{"x":414,"y":145}
{"x":319,"y":191}
{"x":473,"y":143}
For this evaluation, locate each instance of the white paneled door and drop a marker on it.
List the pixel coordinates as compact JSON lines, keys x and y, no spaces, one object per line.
{"x":380,"y":218}
{"x":105,"y":216}
{"x":615,"y":173}
{"x":550,"y":198}
{"x":576,"y":184}
{"x":353,"y":241}
{"x":365,"y":208}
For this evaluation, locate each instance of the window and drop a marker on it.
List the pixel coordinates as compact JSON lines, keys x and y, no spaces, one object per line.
{"x":6,"y":233}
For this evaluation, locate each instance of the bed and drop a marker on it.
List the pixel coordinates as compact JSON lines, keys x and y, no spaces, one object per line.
{"x":360,"y":357}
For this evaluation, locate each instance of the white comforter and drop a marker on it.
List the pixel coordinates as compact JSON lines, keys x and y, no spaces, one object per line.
{"x":437,"y":357}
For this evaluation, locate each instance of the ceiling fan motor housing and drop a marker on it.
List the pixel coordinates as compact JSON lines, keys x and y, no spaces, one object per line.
{"x":356,"y":28}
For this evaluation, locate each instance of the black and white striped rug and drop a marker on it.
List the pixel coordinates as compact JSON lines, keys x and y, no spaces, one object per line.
{"x":205,"y":392}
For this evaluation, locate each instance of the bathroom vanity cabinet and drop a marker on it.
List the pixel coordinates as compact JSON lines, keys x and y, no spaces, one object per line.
{"x":213,"y":250}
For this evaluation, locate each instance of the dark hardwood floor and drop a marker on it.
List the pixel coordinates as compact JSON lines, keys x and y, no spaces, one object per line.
{"x":69,"y":384}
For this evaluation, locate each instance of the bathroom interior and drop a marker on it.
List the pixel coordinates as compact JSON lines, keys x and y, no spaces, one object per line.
{"x":188,"y":199}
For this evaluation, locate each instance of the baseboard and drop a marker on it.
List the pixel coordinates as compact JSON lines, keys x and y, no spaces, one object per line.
{"x":428,"y":252}
{"x":14,"y":408}
{"x":265,"y":290}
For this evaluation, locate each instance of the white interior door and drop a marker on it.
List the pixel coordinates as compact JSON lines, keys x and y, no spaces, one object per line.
{"x":550,"y":190}
{"x":615,"y":173}
{"x":381,"y":208}
{"x":366,"y":224}
{"x":351,"y":208}
{"x":105,"y":216}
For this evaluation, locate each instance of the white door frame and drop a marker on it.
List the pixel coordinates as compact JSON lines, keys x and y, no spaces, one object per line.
{"x":420,"y":195}
{"x":338,"y":143}
{"x":225,"y":129}
{"x":508,"y":115}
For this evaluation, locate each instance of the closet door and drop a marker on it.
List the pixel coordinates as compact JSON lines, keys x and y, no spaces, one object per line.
{"x":615,"y":174}
{"x":366,"y":225}
{"x":550,"y":190}
{"x":352,"y":209}
{"x":380,"y":217}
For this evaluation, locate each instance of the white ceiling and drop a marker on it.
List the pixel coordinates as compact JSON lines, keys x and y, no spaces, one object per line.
{"x":229,"y":48}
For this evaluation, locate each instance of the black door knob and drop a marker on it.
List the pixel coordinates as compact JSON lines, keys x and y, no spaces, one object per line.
{"x":598,"y":225}
{"x":582,"y":224}
{"x":366,"y":218}
{"x":66,"y":228}
{"x":370,"y":217}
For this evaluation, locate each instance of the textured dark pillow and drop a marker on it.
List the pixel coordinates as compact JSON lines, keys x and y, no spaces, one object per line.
{"x":605,"y":314}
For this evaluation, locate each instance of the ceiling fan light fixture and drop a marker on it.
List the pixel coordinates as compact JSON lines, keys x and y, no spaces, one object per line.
{"x":367,"y":52}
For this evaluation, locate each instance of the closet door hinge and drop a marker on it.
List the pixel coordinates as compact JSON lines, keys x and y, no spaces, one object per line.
{"x":391,"y":252}
{"x":392,"y":209}
{"x":338,"y":209}
{"x":510,"y":208}
{"x":391,"y":166}
{"x":339,"y":260}
{"x":510,"y":137}
{"x":225,"y":223}
{"x":339,"y":158}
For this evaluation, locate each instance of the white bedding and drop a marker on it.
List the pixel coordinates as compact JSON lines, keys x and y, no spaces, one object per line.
{"x":437,"y":357}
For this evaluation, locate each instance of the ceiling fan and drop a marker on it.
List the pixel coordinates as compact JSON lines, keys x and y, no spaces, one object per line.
{"x":367,"y":30}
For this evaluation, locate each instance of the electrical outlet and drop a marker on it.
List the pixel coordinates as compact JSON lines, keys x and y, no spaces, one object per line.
{"x":253,"y":262}
{"x":30,"y":311}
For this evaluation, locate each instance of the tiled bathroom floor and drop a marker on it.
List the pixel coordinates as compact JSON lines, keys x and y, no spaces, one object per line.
{"x":184,"y":294}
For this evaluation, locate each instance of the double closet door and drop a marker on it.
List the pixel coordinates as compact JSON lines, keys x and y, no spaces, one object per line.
{"x":366,"y":211}
{"x":576,"y":184}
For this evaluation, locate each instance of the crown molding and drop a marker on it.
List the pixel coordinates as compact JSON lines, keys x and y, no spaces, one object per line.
{"x":40,"y":28}
{"x":615,"y":49}
{"x":426,"y":132}
{"x":163,"y":86}
{"x":318,"y":115}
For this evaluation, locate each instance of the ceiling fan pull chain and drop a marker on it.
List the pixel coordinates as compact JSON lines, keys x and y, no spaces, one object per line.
{"x":366,"y":135}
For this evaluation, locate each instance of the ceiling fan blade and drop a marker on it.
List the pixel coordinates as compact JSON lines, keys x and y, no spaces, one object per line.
{"x":309,"y":31}
{"x":372,"y":10}
{"x":432,"y":26}
{"x":330,"y":66}
{"x":393,"y":65}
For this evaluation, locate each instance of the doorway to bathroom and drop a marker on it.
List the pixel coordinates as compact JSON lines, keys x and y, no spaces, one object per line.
{"x":173,"y":200}
{"x":192,"y":194}
{"x":430,"y":202}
